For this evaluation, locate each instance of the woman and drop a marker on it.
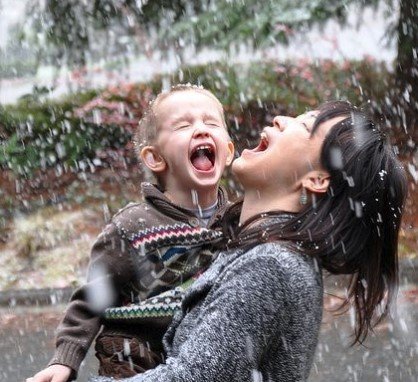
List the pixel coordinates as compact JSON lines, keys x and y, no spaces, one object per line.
{"x":322,"y":190}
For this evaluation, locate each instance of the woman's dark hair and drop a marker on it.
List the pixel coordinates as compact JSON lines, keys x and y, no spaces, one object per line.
{"x":353,"y":229}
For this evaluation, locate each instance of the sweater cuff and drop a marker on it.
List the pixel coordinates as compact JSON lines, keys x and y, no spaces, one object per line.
{"x":68,"y":354}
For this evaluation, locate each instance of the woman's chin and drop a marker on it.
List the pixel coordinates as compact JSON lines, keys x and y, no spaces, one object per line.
{"x":243,"y":174}
{"x":237,"y":166}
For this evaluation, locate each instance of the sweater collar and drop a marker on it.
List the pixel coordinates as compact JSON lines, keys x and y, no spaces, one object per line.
{"x":233,"y":230}
{"x":266,"y":219}
{"x":156,"y":197}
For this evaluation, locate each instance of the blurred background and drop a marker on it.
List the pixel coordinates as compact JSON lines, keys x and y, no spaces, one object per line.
{"x":75,"y":77}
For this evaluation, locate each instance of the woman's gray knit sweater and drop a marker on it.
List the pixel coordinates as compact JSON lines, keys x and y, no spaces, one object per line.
{"x":252,"y":316}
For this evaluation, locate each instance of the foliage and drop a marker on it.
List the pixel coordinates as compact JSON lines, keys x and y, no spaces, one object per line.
{"x":92,"y":129}
{"x":71,"y":32}
{"x":224,"y":24}
{"x":74,"y":33}
{"x":38,"y":134}
{"x":17,"y":59}
{"x":253,"y":93}
{"x":404,"y":94}
{"x":16,"y":68}
{"x":227,"y":24}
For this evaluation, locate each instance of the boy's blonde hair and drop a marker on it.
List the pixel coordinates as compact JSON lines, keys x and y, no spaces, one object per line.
{"x":147,"y":129}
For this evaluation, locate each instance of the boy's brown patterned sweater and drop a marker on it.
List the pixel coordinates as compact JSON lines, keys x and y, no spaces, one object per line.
{"x":124,"y":257}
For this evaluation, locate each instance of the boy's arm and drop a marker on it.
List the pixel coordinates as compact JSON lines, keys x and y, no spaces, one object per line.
{"x":109,"y":266}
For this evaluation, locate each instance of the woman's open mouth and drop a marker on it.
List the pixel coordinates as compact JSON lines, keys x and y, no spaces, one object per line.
{"x":263,"y":145}
{"x":203,"y":157}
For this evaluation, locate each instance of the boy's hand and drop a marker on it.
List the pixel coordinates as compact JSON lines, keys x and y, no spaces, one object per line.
{"x":53,"y":373}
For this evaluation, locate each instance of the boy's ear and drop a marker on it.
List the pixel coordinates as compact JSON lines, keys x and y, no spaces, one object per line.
{"x":316,"y":182}
{"x":231,"y":151}
{"x":152,"y":159}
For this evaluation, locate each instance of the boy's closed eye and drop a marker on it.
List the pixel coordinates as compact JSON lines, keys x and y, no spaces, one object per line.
{"x":213,"y":123}
{"x":182,"y":125}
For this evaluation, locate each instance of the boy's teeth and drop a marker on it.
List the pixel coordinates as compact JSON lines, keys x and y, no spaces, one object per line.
{"x":204,"y":147}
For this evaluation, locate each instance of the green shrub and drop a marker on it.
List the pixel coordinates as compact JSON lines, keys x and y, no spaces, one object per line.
{"x":87,"y":128}
{"x":37,"y":135}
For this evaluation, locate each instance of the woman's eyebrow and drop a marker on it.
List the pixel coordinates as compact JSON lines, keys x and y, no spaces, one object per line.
{"x":311,"y":114}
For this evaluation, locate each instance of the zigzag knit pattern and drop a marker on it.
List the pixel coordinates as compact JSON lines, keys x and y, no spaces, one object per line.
{"x":163,"y":305}
{"x":169,"y":235}
{"x":182,"y":251}
{"x":166,"y":308}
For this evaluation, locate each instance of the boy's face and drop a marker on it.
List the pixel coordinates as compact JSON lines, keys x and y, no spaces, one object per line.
{"x":192,"y":140}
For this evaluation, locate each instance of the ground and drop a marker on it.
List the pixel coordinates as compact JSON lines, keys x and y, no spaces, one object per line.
{"x":52,"y":222}
{"x":389,"y":354}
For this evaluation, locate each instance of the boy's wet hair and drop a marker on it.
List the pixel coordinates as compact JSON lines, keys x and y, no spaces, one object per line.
{"x":147,"y":129}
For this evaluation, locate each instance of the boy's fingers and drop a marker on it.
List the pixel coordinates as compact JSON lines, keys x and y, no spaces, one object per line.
{"x":33,"y":379}
{"x":36,"y":379}
{"x":40,"y":377}
{"x":58,"y":378}
{"x":53,"y":373}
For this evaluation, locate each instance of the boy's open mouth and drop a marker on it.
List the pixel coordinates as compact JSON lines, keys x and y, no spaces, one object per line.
{"x":203,"y":157}
{"x":263,"y":145}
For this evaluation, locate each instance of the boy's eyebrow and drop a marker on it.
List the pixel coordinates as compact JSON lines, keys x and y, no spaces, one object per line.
{"x":182,"y":117}
{"x":188,"y":116}
{"x":211,"y":115}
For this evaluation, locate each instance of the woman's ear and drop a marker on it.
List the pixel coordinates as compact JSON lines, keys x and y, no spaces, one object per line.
{"x":231,"y":151}
{"x":152,"y":159}
{"x":316,"y":181}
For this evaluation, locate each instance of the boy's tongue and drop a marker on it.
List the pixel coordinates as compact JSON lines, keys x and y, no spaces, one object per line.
{"x":202,"y":162}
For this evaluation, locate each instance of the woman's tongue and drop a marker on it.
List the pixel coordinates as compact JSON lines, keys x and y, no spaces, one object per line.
{"x":202,"y":163}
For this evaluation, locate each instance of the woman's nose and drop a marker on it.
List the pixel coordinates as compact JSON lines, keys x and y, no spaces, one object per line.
{"x":279,"y":122}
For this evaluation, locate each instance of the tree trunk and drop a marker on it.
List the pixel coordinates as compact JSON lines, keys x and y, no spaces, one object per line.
{"x":406,"y":80}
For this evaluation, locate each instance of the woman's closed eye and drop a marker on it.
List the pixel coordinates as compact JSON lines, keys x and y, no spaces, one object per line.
{"x":308,"y":128}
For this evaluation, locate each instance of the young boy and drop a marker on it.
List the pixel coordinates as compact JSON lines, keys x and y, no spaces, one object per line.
{"x":183,"y":140}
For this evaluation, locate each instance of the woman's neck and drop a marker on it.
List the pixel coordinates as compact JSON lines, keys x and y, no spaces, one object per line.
{"x":256,"y":202}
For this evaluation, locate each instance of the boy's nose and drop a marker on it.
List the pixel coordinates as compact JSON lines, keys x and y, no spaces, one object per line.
{"x":201,"y":131}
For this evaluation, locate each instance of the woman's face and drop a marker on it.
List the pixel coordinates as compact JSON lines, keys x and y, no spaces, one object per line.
{"x":286,"y":152}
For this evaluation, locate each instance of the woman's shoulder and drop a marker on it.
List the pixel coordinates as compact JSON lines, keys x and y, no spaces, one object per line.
{"x":278,"y":251}
{"x":280,"y":258}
